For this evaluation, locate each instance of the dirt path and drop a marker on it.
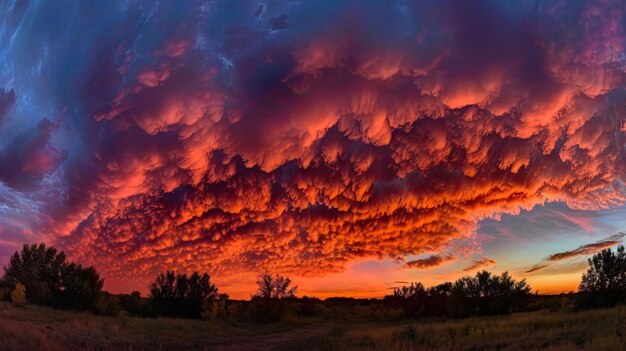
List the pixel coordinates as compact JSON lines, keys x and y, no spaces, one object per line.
{"x":275,"y":341}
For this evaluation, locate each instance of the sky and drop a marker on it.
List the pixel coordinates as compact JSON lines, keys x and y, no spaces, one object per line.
{"x":354,"y":146}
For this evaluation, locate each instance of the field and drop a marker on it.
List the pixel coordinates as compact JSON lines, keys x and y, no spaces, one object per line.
{"x":40,"y":328}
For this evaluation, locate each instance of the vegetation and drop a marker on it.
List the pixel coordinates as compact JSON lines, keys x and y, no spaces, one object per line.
{"x":18,"y":295}
{"x":176,"y":295}
{"x":274,"y":287}
{"x":604,"y":284}
{"x":449,"y":314}
{"x":50,"y":280}
{"x":482,"y":294}
{"x":41,"y":328}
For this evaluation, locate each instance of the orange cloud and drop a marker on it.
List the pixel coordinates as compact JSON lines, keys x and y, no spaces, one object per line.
{"x":376,"y":132}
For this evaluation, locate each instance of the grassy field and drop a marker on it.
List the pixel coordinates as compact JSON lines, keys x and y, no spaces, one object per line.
{"x":39,"y":328}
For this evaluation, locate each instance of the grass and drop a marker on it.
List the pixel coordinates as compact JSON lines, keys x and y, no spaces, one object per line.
{"x":40,"y":328}
{"x":588,"y":330}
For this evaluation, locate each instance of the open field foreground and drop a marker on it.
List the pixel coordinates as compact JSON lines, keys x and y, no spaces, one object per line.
{"x":40,"y":328}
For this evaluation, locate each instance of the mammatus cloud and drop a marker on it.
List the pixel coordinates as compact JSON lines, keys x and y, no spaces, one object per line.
{"x":429,"y":262}
{"x":482,"y":263}
{"x":299,"y":137}
{"x":582,"y":250}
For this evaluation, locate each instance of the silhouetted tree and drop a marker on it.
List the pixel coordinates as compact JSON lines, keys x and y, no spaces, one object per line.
{"x":179,"y":295}
{"x":50,"y":280}
{"x":274,"y":287}
{"x":604,"y":283}
{"x":482,"y":294}
{"x":81,"y":287}
{"x":488,"y":294}
{"x":39,"y":269}
{"x":268,"y":304}
{"x":412,"y":299}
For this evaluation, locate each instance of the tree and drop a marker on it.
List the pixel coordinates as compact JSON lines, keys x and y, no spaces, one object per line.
{"x":39,"y":269}
{"x":413,"y":299}
{"x":50,"y":280}
{"x":82,"y":287}
{"x":177,"y":295}
{"x":274,"y":287}
{"x":488,"y":294}
{"x":18,"y":295}
{"x":604,"y":283}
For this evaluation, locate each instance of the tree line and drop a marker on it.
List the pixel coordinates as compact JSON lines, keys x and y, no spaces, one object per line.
{"x":42,"y":275}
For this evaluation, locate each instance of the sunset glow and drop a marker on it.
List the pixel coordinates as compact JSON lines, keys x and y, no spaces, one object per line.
{"x":354,"y":146}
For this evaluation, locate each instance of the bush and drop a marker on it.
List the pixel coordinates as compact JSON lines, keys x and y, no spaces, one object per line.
{"x":134,"y":304}
{"x":107,"y":305}
{"x":18,"y":295}
{"x":216,"y":309}
{"x":5,"y":294}
{"x":263,"y":310}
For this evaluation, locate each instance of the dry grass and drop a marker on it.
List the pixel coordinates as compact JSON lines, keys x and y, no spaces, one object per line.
{"x":588,"y":330}
{"x":39,"y":328}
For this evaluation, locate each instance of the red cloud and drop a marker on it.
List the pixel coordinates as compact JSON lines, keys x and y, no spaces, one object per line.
{"x":278,"y":145}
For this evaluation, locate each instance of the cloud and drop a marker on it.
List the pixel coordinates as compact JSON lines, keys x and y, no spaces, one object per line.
{"x":583,"y":250}
{"x":7,"y":99}
{"x":429,"y":262}
{"x":482,"y":263}
{"x":588,"y":249}
{"x":537,"y":267}
{"x":300,"y":138}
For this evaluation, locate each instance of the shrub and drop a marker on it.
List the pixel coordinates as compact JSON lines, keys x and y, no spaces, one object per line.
{"x":216,"y":309}
{"x":107,"y":305}
{"x":134,"y":304}
{"x":265,"y":310}
{"x":5,"y":294}
{"x":18,"y":295}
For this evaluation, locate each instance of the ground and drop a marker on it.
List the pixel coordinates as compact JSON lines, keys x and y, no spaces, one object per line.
{"x":39,"y":328}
